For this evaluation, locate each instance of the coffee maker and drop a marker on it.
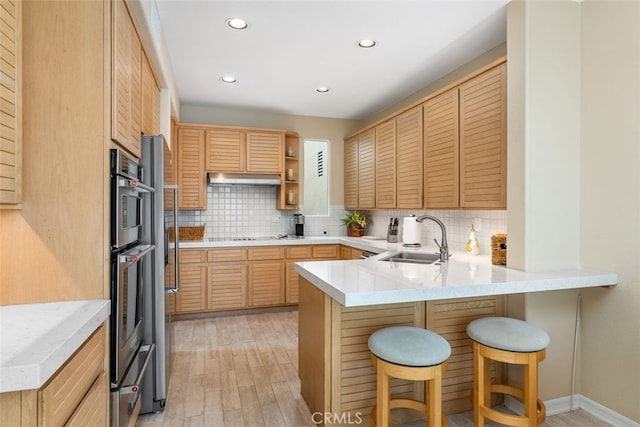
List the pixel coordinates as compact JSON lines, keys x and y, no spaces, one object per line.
{"x":298,"y":221}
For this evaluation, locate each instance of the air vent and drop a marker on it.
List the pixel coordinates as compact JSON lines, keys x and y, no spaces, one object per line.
{"x":320,"y":163}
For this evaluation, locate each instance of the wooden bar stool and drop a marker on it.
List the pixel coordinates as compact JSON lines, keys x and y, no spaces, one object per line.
{"x":509,"y":341}
{"x":412,"y":354}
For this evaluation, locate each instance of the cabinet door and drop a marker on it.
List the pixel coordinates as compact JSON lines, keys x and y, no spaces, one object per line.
{"x":125,"y":108}
{"x":326,"y":251}
{"x":224,"y":150}
{"x":409,"y":159}
{"x":483,"y":141}
{"x":266,"y":283}
{"x":291,"y":285}
{"x":11,"y":104}
{"x":351,"y":173}
{"x":441,"y":151}
{"x":191,"y":174}
{"x":150,"y":100}
{"x":227,"y":286}
{"x":386,"y":165}
{"x":192,"y":295}
{"x":264,"y":152}
{"x":367,"y":169}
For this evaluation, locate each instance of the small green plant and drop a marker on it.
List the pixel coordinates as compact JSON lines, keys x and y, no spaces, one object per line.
{"x":356,"y":219}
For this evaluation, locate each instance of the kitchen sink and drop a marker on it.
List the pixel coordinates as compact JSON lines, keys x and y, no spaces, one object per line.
{"x":413,"y":257}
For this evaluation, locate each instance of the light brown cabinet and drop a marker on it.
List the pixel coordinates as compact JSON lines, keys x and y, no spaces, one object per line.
{"x":386,"y":172}
{"x":11,"y":105}
{"x":266,"y":276}
{"x":409,"y":159}
{"x":241,"y":150}
{"x":227,"y":279}
{"x":288,"y":194}
{"x":441,"y":142}
{"x":193,"y":281}
{"x":264,"y":152}
{"x":150,"y":99}
{"x":126,"y":102}
{"x":76,"y":395}
{"x":224,"y":150}
{"x":191,"y":174}
{"x":483,"y":140}
{"x":351,"y":173}
{"x":347,"y":252}
{"x":367,"y":169}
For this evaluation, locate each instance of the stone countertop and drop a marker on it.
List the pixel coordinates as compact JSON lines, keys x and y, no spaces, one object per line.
{"x":373,"y":281}
{"x":37,"y":339}
{"x":367,"y":243}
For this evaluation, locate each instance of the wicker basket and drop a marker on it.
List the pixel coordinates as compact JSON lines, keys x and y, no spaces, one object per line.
{"x":499,"y":249}
{"x":187,"y":233}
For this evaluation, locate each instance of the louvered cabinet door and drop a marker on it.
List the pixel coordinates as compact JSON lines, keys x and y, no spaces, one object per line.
{"x":292,"y":282}
{"x":450,"y":318}
{"x":351,"y":173}
{"x":266,"y":283}
{"x":483,"y":141}
{"x":150,"y":100}
{"x":367,"y":169}
{"x":191,"y":174}
{"x":192,"y":296}
{"x":441,"y":142}
{"x":386,"y":165}
{"x":136,"y":93}
{"x":265,"y":152}
{"x":227,"y":286}
{"x":409,"y":159}
{"x":11,"y":104}
{"x":224,"y":150}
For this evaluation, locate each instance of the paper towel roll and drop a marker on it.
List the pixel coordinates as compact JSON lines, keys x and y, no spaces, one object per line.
{"x":411,"y":231}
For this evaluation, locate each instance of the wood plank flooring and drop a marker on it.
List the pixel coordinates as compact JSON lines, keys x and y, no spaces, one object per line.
{"x":243,"y":371}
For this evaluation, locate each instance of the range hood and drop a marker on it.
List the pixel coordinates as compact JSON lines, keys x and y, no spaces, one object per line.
{"x":244,"y":178}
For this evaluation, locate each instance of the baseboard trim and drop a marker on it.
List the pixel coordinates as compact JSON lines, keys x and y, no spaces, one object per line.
{"x":564,"y":404}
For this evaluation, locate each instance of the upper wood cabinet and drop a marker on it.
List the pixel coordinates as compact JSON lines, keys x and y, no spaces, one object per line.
{"x":409,"y":159}
{"x":483,"y":140}
{"x":367,"y":169}
{"x":288,"y":194}
{"x":126,"y":103}
{"x":441,"y":151}
{"x":191,"y":173}
{"x":386,"y":165}
{"x":240,"y":150}
{"x":11,"y":104}
{"x":351,"y":173}
{"x":150,"y":100}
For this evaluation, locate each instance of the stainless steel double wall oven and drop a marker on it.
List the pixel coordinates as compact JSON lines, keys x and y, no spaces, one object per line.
{"x":129,"y":355}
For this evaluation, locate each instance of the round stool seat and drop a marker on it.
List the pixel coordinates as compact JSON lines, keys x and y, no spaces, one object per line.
{"x":409,"y":346}
{"x":505,"y":333}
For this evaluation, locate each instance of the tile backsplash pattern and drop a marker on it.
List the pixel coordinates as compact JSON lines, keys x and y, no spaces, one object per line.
{"x":249,"y":211}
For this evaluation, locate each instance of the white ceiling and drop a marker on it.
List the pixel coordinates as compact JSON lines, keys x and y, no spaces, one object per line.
{"x":292,"y":47}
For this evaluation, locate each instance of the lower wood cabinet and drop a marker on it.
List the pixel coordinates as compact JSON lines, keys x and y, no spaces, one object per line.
{"x":76,"y":395}
{"x":239,"y":278}
{"x":347,"y":252}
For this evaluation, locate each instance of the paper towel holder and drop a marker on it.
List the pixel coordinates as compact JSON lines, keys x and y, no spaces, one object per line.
{"x":409,"y":245}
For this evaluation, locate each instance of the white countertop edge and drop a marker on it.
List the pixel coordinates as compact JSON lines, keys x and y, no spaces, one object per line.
{"x":356,"y":242}
{"x":538,"y":282}
{"x":29,"y":359}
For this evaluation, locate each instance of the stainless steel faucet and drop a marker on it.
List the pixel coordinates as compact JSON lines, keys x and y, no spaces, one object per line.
{"x":444,"y":247}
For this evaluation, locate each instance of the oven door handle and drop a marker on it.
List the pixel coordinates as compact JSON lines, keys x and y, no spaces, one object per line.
{"x":127,"y":257}
{"x":134,"y":185}
{"x":135,"y":387}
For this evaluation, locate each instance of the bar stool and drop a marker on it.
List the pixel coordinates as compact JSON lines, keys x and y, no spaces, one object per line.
{"x":509,"y":341}
{"x":414,"y":354}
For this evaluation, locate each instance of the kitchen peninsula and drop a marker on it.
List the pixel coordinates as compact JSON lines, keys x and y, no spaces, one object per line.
{"x":342,"y":302}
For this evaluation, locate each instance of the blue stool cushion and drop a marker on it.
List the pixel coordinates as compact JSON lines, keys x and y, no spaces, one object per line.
{"x":505,"y":333}
{"x":409,"y":346}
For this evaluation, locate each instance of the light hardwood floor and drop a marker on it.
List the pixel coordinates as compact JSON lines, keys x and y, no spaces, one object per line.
{"x":243,"y":371}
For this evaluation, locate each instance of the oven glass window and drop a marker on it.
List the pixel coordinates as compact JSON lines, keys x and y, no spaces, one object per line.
{"x":131,"y":212}
{"x":131,"y":301}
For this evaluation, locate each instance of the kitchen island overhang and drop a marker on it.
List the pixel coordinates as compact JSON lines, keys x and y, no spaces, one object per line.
{"x":372,"y":281}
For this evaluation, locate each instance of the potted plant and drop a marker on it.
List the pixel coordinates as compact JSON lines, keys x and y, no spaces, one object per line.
{"x":356,"y":222}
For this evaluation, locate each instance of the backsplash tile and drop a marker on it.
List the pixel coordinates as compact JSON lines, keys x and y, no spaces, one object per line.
{"x":249,"y":211}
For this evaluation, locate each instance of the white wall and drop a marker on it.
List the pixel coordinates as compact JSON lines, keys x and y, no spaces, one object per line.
{"x":610,"y":202}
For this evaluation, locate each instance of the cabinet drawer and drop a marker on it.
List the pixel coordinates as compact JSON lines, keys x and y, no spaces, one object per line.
{"x":93,"y":409}
{"x":62,"y":395}
{"x":259,"y":254}
{"x":299,"y":252}
{"x":219,"y":255}
{"x":192,"y":256}
{"x":325,"y":251}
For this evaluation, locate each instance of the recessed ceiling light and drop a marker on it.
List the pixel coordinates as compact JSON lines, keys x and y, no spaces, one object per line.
{"x":237,"y":23}
{"x":366,"y":43}
{"x":322,"y":89}
{"x":228,"y":79}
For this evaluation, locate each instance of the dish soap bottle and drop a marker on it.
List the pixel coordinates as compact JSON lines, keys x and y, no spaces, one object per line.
{"x":473,"y":247}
